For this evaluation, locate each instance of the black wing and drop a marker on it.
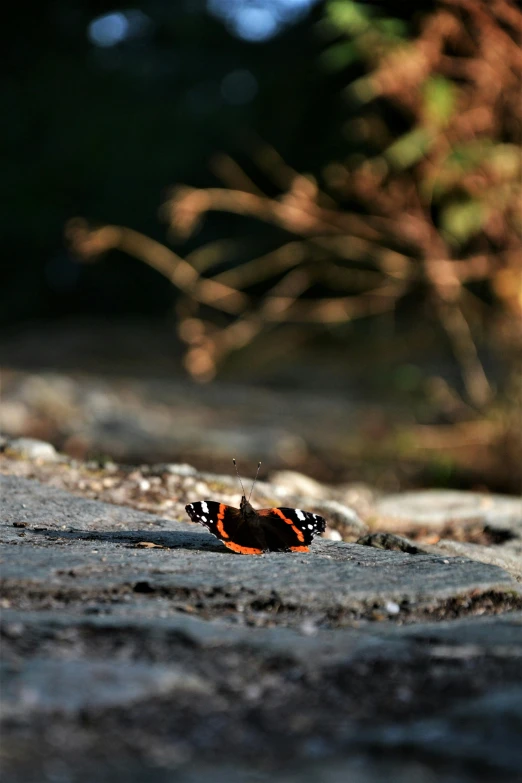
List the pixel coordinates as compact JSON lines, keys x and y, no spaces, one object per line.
{"x":290,"y":528}
{"x":227,"y":524}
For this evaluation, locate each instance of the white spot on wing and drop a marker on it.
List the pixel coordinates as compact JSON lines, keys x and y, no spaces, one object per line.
{"x":310,"y":527}
{"x":204,"y":506}
{"x":203,"y":519}
{"x":300,"y":514}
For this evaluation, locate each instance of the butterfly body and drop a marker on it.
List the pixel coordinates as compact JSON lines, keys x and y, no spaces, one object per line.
{"x":250,"y":532}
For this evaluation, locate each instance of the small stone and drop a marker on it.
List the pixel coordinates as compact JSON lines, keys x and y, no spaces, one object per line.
{"x":253,"y":692}
{"x":392,"y":608}
{"x":360,"y":497}
{"x":31,"y":448}
{"x":341,"y":518}
{"x":404,"y":693}
{"x":294,"y":483}
{"x":332,"y":535}
{"x":20,"y":524}
{"x":13,"y":630}
{"x":201,"y":489}
{"x":391,"y":542}
{"x":174,"y":469}
{"x":308,"y":628}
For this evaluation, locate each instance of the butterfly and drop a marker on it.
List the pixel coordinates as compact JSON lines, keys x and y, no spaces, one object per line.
{"x":250,"y":532}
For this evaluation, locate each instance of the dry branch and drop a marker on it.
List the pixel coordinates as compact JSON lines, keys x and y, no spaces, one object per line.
{"x":396,"y":241}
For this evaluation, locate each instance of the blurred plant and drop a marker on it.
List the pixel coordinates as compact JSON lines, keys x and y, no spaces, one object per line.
{"x":431,"y":209}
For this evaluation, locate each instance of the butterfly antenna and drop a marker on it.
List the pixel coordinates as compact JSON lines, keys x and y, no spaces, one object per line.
{"x":253,"y":485}
{"x":239,"y":477}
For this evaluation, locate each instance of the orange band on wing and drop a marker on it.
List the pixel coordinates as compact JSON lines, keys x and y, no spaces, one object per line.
{"x":299,"y":549}
{"x":243,"y":550}
{"x":220,"y":518}
{"x":299,"y":534}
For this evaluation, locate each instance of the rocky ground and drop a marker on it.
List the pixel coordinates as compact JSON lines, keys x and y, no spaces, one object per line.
{"x":136,"y":647}
{"x":340,"y":432}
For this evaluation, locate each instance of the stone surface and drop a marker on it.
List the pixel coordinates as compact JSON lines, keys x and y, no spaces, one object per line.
{"x":184,"y":662}
{"x":495,"y":520}
{"x":507,"y":555}
{"x":95,"y":556}
{"x":437,"y":508}
{"x":48,"y":686}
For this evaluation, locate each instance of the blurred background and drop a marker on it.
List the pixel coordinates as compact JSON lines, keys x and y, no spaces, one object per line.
{"x":286,"y":230}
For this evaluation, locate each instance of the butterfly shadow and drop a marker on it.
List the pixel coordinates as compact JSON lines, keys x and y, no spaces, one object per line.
{"x":168,"y":539}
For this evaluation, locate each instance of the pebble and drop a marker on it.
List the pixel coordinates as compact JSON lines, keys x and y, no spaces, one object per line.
{"x":294,"y":483}
{"x":182,"y":469}
{"x":34,"y":449}
{"x":13,"y":630}
{"x":332,"y":535}
{"x":340,"y":517}
{"x":308,"y":628}
{"x":201,"y":489}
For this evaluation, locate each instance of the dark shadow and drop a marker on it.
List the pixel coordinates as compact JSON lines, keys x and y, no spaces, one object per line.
{"x":169,"y":539}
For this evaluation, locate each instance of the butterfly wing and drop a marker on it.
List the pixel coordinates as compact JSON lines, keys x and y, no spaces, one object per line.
{"x":290,"y":528}
{"x":226,"y":523}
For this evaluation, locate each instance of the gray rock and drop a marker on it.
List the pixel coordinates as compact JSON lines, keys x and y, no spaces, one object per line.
{"x":184,"y":662}
{"x":507,"y":556}
{"x":497,"y":517}
{"x":47,"y":686}
{"x":94,"y":555}
{"x":435,"y":508}
{"x":427,"y":686}
{"x":476,"y":731}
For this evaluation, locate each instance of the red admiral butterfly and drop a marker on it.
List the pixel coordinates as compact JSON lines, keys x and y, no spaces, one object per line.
{"x":252,"y":532}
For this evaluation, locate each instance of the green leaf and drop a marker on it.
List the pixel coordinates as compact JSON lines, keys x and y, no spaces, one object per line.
{"x":461,"y":220}
{"x":470,"y":155}
{"x":410,"y":148}
{"x":392,"y":29}
{"x":440,"y":99}
{"x":352,"y":18}
{"x":338,"y":56}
